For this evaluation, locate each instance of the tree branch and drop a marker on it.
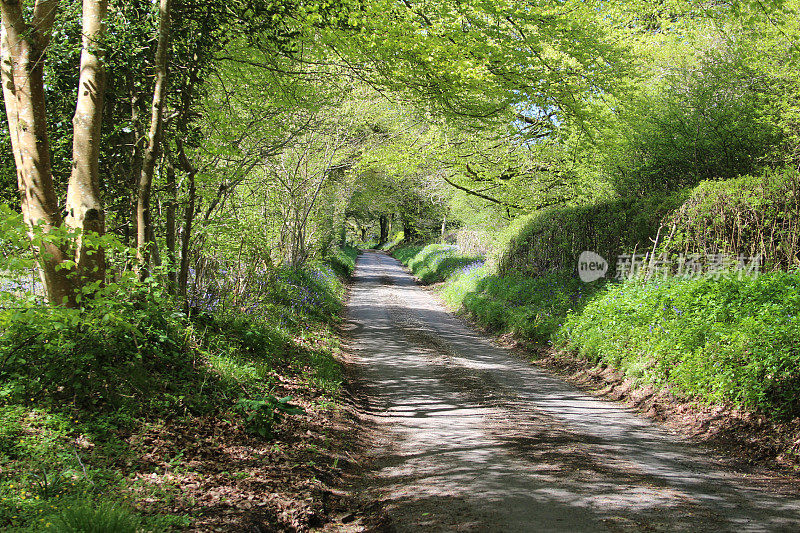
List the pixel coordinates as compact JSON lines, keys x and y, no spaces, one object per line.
{"x":479,"y":195}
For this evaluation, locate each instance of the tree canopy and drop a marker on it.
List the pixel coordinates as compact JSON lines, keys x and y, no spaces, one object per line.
{"x":287,"y":127}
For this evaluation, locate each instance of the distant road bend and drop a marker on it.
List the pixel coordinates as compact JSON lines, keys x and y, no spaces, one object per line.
{"x":476,"y":439}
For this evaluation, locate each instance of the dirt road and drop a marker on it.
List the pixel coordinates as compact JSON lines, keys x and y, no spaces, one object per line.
{"x":476,"y":439}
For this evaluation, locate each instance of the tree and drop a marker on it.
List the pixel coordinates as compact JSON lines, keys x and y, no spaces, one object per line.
{"x":24,"y":44}
{"x":144,"y":223}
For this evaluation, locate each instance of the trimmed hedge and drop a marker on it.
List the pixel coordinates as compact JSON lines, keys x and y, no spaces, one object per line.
{"x":550,"y":241}
{"x":746,"y":216}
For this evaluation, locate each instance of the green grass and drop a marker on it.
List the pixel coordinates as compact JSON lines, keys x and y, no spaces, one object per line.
{"x":531,"y":308}
{"x":406,"y":253}
{"x":343,"y":260}
{"x":392,"y":243}
{"x":434,"y":262}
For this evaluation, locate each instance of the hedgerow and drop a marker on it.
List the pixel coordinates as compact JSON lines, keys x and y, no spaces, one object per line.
{"x":714,"y":338}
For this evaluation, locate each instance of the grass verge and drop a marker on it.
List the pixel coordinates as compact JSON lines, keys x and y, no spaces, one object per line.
{"x":731,"y":340}
{"x":435,"y":262}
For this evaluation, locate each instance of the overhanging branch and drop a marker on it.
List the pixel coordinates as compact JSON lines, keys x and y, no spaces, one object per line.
{"x":484,"y":196}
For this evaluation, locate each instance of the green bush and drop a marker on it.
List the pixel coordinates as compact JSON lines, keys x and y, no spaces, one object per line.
{"x":111,"y":348}
{"x":406,"y":253}
{"x":713,"y":120}
{"x":749,"y":216}
{"x":261,"y":416}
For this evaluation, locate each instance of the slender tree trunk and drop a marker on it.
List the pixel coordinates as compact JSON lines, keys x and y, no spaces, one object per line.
{"x":23,"y":51}
{"x":84,"y":208}
{"x":135,"y":162}
{"x":384,"y":222}
{"x":188,"y":219}
{"x":172,"y":191}
{"x":144,"y":231}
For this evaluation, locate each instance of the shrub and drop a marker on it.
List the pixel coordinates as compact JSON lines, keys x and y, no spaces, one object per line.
{"x":104,"y":518}
{"x":343,"y":260}
{"x":711,"y":117}
{"x":406,"y":253}
{"x":749,"y":216}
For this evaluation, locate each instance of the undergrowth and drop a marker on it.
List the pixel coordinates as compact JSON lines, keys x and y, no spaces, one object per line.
{"x":726,"y":339}
{"x":78,"y":385}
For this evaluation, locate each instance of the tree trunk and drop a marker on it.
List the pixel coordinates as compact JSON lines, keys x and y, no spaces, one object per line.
{"x":144,"y":231}
{"x":84,"y":208}
{"x":183,"y":274}
{"x":135,"y":163}
{"x":23,"y":48}
{"x":409,"y":231}
{"x":172,"y":203}
{"x":23,"y":51}
{"x":384,"y":222}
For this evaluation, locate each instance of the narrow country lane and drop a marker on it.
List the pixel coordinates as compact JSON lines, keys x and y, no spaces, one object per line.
{"x":476,"y":439}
